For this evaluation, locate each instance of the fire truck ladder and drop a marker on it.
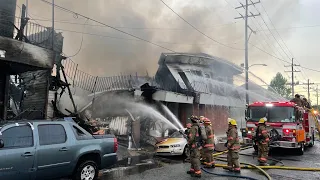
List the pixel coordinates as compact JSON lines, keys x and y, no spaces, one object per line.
{"x":316,"y":121}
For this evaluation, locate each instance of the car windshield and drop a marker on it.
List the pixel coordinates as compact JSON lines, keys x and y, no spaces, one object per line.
{"x":281,"y":114}
{"x":273,"y":114}
{"x":255,"y":113}
{"x":176,"y":134}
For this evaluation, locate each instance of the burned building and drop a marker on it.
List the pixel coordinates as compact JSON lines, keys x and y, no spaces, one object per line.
{"x":25,"y":65}
{"x":205,"y":81}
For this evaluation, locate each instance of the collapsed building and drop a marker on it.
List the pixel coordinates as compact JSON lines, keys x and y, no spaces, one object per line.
{"x":25,"y":68}
{"x":188,"y":84}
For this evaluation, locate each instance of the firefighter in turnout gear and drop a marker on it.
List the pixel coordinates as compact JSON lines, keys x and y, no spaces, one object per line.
{"x":194,"y":144}
{"x":262,"y":137}
{"x":202,"y":154}
{"x":209,"y":144}
{"x":233,"y":146}
{"x":187,"y":132}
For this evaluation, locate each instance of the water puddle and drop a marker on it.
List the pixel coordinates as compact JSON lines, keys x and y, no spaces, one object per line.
{"x":129,"y":166}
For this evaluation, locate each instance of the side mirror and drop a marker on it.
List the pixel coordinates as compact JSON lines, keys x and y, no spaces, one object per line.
{"x":1,"y":143}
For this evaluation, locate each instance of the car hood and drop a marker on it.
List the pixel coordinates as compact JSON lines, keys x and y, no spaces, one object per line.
{"x":170,"y":141}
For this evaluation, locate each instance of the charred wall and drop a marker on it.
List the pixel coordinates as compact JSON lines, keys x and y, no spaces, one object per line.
{"x":36,"y":84}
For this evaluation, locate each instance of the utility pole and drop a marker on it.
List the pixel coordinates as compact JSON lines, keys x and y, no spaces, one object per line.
{"x":292,"y":75}
{"x":52,"y":25}
{"x":308,"y":87}
{"x":317,"y":91}
{"x":246,"y":27}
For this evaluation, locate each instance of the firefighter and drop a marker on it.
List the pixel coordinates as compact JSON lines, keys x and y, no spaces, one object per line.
{"x":194,"y":144}
{"x":263,"y":140}
{"x":297,"y":100}
{"x":186,"y":132}
{"x":233,"y":146}
{"x":306,"y":104}
{"x":209,"y":144}
{"x":202,"y":154}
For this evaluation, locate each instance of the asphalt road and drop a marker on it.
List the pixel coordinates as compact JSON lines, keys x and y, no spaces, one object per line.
{"x":176,"y":170}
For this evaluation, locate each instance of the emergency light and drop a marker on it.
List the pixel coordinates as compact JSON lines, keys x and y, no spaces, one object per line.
{"x":269,"y":105}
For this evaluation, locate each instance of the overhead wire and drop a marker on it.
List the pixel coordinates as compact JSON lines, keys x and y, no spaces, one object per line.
{"x":275,"y":37}
{"x":233,"y":8}
{"x":111,"y":27}
{"x":127,"y":39}
{"x":270,"y":46}
{"x":136,"y":28}
{"x":270,"y":53}
{"x":222,"y":44}
{"x":81,"y":41}
{"x":281,"y":37}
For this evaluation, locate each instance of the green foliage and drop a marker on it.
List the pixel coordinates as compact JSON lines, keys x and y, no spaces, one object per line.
{"x":279,"y":84}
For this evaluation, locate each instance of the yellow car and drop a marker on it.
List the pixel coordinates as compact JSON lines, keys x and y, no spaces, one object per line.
{"x":174,"y":145}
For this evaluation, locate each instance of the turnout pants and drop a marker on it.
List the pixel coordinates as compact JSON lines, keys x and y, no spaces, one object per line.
{"x":195,"y":160}
{"x":233,"y":159}
{"x":208,"y":156}
{"x":263,"y":151}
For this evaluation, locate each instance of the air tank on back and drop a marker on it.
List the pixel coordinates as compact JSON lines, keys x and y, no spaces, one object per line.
{"x":7,"y":17}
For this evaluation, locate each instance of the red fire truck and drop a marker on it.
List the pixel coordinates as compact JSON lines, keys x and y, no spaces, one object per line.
{"x":289,"y":125}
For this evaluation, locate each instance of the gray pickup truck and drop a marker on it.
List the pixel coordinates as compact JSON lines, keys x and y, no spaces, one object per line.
{"x":40,"y":150}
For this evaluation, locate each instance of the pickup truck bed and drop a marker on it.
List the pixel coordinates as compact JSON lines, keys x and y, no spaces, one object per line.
{"x":40,"y":150}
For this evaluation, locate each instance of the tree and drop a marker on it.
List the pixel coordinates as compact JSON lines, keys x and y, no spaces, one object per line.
{"x":278,"y":84}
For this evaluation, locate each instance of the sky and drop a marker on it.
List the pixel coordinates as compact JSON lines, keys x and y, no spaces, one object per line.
{"x":152,"y":20}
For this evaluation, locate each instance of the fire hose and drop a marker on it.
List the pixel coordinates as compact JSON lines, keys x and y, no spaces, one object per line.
{"x":252,"y":165}
{"x":227,"y":175}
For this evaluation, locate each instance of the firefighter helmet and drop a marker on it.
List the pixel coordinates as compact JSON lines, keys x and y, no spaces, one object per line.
{"x":207,"y":121}
{"x":232,"y":122}
{"x":262,"y":120}
{"x":194,"y":118}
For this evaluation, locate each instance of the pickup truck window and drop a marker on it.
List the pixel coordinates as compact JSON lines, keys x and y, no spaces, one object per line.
{"x":17,"y":137}
{"x":80,"y":133}
{"x":52,"y":134}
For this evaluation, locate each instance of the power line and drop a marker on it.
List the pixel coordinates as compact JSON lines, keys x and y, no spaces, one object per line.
{"x":281,"y":59}
{"x":77,"y":14}
{"x":198,"y":29}
{"x":279,"y":35}
{"x":81,"y":41}
{"x":127,"y":39}
{"x":136,"y":28}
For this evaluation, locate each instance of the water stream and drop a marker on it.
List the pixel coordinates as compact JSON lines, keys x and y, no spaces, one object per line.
{"x":172,"y":116}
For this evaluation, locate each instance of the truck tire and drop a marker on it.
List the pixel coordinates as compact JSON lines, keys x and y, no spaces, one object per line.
{"x":86,"y":170}
{"x":301,"y":149}
{"x":255,"y":147}
{"x":311,"y":140}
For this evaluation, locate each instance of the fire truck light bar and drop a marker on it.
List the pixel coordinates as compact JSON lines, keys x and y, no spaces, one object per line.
{"x":269,"y":105}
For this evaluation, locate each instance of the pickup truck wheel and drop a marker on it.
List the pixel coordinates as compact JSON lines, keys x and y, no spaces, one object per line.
{"x":87,"y":170}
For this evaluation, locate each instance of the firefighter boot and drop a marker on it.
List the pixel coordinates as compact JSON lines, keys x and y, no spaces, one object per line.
{"x":190,"y":172}
{"x":236,"y":170}
{"x":196,"y":174}
{"x":228,"y":168}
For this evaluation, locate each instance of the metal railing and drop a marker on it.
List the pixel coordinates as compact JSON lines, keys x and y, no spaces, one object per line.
{"x":33,"y":33}
{"x":92,"y":84}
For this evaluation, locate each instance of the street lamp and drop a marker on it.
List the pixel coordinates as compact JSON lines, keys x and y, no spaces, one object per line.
{"x":247,"y":78}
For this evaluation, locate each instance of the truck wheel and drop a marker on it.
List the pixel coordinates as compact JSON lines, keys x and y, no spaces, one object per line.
{"x":311,"y":140}
{"x":255,"y":147}
{"x":87,"y":170}
{"x":301,"y":149}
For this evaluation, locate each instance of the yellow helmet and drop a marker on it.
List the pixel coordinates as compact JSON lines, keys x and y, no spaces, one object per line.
{"x":262,"y":120}
{"x":232,"y":121}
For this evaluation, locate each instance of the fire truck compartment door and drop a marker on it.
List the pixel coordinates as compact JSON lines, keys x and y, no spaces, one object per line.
{"x":300,"y":135}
